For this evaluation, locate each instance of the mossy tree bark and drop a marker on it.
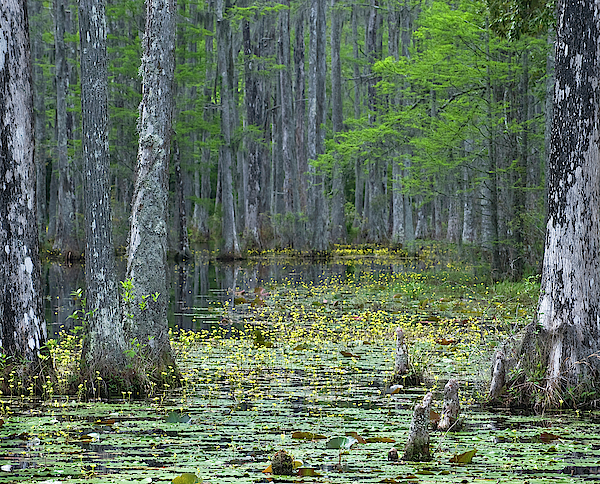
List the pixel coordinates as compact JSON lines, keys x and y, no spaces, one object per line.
{"x":22,"y":324}
{"x":566,"y":340}
{"x":145,"y":307}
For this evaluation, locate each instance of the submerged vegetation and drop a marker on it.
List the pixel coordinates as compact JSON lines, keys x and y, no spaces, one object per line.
{"x":305,"y":368}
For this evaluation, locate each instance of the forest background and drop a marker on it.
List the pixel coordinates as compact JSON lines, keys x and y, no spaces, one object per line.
{"x":309,"y":123}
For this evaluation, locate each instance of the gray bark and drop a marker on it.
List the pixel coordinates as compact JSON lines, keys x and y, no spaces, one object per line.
{"x":376,"y":203}
{"x":105,"y":341}
{"x":451,"y":407}
{"x":202,"y":188}
{"x":468,"y":230}
{"x":291,"y":182}
{"x":316,"y":119}
{"x":300,"y":106}
{"x":226,"y":153}
{"x":489,"y":193}
{"x":453,"y":228}
{"x":65,"y":239}
{"x":417,"y":445}
{"x":146,"y":313}
{"x":39,"y":112}
{"x":22,"y":324}
{"x":569,"y":307}
{"x":338,"y":223}
{"x":398,"y":233}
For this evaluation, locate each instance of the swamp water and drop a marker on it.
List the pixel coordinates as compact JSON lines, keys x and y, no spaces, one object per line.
{"x":295,"y":360}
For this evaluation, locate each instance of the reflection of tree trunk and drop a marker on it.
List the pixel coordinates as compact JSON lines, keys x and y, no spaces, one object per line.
{"x":184,"y":243}
{"x":182,"y":303}
{"x":63,"y":281}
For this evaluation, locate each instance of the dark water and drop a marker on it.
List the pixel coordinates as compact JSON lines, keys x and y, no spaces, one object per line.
{"x":198,"y":287}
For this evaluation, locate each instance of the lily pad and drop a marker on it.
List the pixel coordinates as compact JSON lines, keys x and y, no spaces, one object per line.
{"x":186,"y":478}
{"x":178,"y":417}
{"x":341,"y":442}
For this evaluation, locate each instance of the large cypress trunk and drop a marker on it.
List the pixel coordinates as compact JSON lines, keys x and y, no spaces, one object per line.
{"x":566,"y":339}
{"x":146,"y":309}
{"x":103,"y":358}
{"x":569,"y":307}
{"x":22,"y":324}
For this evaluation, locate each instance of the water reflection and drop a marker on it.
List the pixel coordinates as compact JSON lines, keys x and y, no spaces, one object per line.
{"x":198,"y":288}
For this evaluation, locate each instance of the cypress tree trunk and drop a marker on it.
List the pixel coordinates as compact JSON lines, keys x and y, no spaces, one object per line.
{"x":22,"y":324}
{"x":338,"y":222}
{"x":376,"y":206}
{"x":254,"y":114}
{"x":230,"y":247}
{"x":146,"y":309}
{"x":316,"y":119}
{"x":65,"y":239}
{"x":569,"y":306}
{"x":291,"y":182}
{"x":39,"y":112}
{"x":300,"y":106}
{"x":104,"y":363}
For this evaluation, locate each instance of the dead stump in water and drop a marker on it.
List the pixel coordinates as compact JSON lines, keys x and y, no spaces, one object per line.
{"x":282,"y":464}
{"x":417,"y":446}
{"x":451,"y":407}
{"x":403,"y":374}
{"x":401,"y":355}
{"x":498,"y":376}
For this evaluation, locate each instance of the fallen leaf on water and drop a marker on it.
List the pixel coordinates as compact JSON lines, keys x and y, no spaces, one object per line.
{"x":395,"y":389}
{"x":547,"y":437}
{"x":268,"y":470}
{"x":108,"y":421}
{"x":301,"y":347}
{"x":308,"y":436}
{"x":464,"y":458}
{"x":347,"y":354}
{"x":371,"y":440}
{"x":445,"y":342}
{"x":308,"y":472}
